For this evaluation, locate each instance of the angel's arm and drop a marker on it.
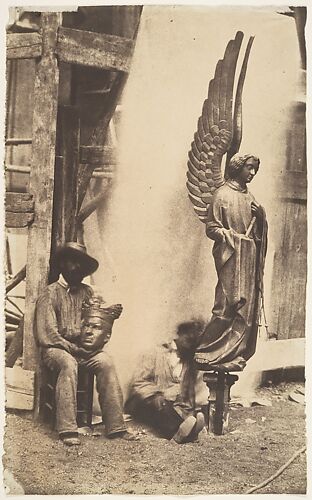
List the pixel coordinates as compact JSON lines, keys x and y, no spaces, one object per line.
{"x":259,"y":216}
{"x":215,"y":229}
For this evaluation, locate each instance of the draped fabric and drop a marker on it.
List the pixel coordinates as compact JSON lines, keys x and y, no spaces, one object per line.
{"x":231,"y":335}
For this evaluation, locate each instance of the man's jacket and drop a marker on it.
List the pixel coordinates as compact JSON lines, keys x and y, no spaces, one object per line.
{"x":159,"y":371}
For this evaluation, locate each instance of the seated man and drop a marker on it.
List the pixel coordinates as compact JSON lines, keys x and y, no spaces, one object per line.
{"x":64,"y":346}
{"x":167,"y":391}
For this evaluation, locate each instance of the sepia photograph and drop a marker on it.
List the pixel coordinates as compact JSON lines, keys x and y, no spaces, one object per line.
{"x":155,"y":249}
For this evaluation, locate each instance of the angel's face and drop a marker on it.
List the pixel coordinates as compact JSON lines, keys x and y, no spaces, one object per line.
{"x":248,"y":171}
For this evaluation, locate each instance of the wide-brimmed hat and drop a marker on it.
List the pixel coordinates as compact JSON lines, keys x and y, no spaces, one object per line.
{"x":73,"y":249}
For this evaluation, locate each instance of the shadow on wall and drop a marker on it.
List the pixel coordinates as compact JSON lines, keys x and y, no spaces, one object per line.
{"x":153,"y":252}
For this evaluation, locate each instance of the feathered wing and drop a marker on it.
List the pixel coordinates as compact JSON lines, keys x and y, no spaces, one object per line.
{"x":238,"y":113}
{"x":214,"y":134}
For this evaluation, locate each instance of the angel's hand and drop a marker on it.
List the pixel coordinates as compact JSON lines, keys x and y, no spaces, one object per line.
{"x":256,"y":210}
{"x":215,"y":233}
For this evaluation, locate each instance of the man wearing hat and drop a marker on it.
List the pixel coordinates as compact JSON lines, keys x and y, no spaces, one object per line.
{"x":167,"y":392}
{"x":64,"y":344}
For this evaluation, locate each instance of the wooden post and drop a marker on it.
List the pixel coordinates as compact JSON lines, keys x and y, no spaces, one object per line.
{"x":65,"y":193}
{"x":65,"y":205}
{"x":16,"y":346}
{"x":41,"y":179}
{"x":219,"y":385}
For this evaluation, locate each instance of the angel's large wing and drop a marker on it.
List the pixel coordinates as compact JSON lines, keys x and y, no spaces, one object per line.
{"x":215,"y":134}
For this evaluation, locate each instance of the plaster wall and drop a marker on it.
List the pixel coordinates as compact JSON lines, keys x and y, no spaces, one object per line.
{"x":153,"y":252}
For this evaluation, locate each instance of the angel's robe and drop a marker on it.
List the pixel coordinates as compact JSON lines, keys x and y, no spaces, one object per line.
{"x":231,"y":335}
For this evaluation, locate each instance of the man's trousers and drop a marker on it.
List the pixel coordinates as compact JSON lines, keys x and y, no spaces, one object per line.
{"x":107,"y":385}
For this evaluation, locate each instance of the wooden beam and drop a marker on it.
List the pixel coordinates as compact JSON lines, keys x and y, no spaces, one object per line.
{"x":85,"y":172}
{"x":66,"y":176}
{"x":19,"y":388}
{"x":108,"y":108}
{"x":97,"y":155}
{"x":92,"y":205}
{"x":41,"y":179}
{"x":23,"y":45}
{"x":18,"y":219}
{"x":293,"y":186}
{"x":20,"y":169}
{"x":19,"y":202}
{"x":20,"y":276}
{"x":19,"y":210}
{"x":15,"y":349}
{"x":11,"y":319}
{"x":12,"y":303}
{"x":106,"y":172}
{"x":13,"y":314}
{"x":103,"y":175}
{"x":8,"y":256}
{"x":17,"y":142}
{"x":98,"y":50}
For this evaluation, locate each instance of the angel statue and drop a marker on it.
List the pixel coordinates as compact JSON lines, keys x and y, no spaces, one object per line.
{"x":233,"y":219}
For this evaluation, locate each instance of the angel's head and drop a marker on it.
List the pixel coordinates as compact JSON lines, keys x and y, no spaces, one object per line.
{"x":243,"y":167}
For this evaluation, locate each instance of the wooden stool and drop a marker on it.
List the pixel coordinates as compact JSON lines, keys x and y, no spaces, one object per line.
{"x":84,"y":396}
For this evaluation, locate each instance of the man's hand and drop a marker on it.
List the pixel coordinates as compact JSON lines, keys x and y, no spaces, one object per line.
{"x":83,"y":353}
{"x":158,"y":401}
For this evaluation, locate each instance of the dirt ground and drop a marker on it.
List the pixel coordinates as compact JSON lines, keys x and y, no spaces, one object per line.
{"x":249,"y":453}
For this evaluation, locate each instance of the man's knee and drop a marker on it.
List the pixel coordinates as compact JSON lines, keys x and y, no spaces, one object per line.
{"x":62,"y":361}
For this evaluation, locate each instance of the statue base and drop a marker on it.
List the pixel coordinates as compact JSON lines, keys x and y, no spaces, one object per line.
{"x":202,"y":363}
{"x":219,"y":385}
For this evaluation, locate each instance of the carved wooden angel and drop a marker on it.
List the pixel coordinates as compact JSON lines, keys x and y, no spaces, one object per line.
{"x":233,"y":218}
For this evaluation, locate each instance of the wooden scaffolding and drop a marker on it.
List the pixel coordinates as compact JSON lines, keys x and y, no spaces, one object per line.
{"x":69,"y":147}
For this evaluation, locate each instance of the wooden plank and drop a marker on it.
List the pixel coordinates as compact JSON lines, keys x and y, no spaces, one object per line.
{"x":11,"y":320}
{"x":71,"y":145}
{"x":26,"y":170}
{"x":8,"y":256}
{"x":20,"y":169}
{"x":289,"y":272}
{"x":65,"y":207}
{"x":13,"y":282}
{"x":23,"y":45}
{"x":292,"y":319}
{"x":98,"y":50}
{"x":85,"y":173}
{"x":19,"y":388}
{"x":98,"y":155}
{"x":41,"y":179}
{"x":19,"y":202}
{"x":15,"y":349}
{"x":296,"y":139}
{"x":18,"y":219}
{"x":91,"y":205}
{"x":17,"y":141}
{"x":293,"y":186}
{"x":103,"y":175}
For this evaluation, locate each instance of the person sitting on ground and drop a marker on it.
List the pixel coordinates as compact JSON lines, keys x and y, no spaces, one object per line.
{"x":64,"y":344}
{"x":167,"y":392}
